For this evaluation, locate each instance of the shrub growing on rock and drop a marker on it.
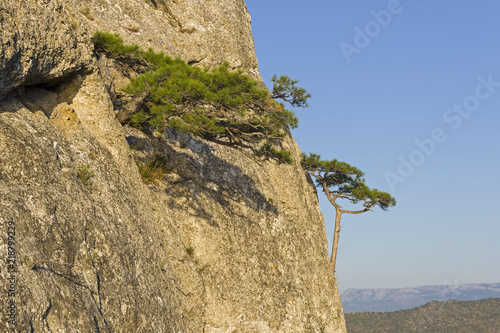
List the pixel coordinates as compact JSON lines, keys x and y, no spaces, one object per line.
{"x":218,"y":104}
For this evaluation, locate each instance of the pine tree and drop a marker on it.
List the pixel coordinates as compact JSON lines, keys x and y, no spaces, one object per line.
{"x":219,"y":104}
{"x":340,"y":180}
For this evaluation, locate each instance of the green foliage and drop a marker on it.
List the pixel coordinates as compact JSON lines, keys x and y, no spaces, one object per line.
{"x":208,"y":103}
{"x":153,"y":170}
{"x":112,"y":45}
{"x":335,"y":171}
{"x":283,"y":156}
{"x":285,"y":88}
{"x":188,"y":30}
{"x":342,"y":180}
{"x":190,"y":250}
{"x":138,"y":119}
{"x":201,"y":269}
{"x":86,"y":12}
{"x":219,"y":104}
{"x":85,"y":175}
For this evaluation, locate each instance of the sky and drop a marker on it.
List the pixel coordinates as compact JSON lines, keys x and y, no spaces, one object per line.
{"x":409,"y":92}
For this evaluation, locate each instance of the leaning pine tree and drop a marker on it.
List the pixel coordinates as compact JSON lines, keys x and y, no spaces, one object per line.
{"x":340,"y":180}
{"x":218,"y":104}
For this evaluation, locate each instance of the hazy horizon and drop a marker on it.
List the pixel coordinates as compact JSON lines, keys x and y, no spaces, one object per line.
{"x":432,"y":285}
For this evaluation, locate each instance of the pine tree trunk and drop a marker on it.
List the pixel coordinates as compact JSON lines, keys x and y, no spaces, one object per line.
{"x":336,"y":235}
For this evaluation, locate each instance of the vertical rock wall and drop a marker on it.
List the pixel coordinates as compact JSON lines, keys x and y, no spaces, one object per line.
{"x":225,"y":243}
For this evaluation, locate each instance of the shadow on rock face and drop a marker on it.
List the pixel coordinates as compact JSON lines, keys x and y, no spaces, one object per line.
{"x":197,"y":173}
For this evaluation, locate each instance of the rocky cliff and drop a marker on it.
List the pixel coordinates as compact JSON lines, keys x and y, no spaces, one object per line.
{"x":223,"y":243}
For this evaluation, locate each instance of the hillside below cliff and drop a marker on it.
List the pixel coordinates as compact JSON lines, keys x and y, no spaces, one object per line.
{"x":223,"y":242}
{"x":434,"y":317}
{"x":384,"y":300}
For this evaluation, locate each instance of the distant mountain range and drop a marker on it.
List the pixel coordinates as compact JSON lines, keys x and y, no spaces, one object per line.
{"x":384,"y":300}
{"x":435,"y":317}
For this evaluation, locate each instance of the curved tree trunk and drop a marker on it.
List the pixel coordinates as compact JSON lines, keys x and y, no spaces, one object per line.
{"x":336,"y":235}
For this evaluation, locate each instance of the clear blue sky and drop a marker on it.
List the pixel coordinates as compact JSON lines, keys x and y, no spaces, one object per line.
{"x":399,"y":87}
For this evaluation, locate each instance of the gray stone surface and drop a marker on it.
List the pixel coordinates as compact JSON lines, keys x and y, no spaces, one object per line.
{"x":39,"y":42}
{"x":224,"y":243}
{"x":203,"y":32}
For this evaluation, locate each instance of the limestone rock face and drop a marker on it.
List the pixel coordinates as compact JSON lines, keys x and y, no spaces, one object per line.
{"x":39,"y":43}
{"x":87,"y":258}
{"x":203,"y":32}
{"x":223,"y":242}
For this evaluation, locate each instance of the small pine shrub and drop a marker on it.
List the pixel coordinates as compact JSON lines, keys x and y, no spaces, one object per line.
{"x":190,"y":250}
{"x":153,"y":170}
{"x":283,"y":156}
{"x":112,"y":45}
